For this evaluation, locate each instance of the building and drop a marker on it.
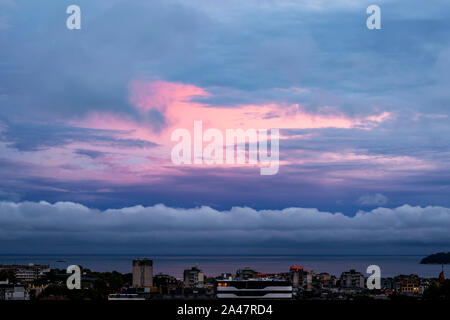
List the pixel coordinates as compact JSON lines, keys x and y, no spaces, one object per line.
{"x":225,"y":276}
{"x":164,"y":280}
{"x":274,"y":276}
{"x":352,"y":280}
{"x":194,"y":278}
{"x":142,"y":273}
{"x":408,"y":284}
{"x":325,"y":280}
{"x":253,"y":289}
{"x":165,"y":283}
{"x":13,"y":292}
{"x":246,"y":274}
{"x":27,"y":273}
{"x":309,"y":280}
{"x":388,"y":285}
{"x":296,"y":273}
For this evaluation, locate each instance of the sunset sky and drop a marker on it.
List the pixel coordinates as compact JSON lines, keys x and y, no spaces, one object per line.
{"x":86,"y":118}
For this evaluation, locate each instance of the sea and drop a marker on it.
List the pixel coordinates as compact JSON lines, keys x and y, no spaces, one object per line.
{"x":391,"y":265}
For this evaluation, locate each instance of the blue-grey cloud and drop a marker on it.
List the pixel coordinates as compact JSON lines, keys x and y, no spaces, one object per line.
{"x":48,"y":71}
{"x":64,"y":225}
{"x":89,"y":153}
{"x":38,"y":136}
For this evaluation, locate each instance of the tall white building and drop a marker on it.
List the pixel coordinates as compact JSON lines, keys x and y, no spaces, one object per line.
{"x":142,"y":273}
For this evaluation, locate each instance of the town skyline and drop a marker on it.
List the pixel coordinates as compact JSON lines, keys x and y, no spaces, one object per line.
{"x":40,"y":282}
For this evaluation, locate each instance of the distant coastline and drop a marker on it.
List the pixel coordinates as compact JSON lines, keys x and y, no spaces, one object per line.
{"x":437,"y":258}
{"x":391,"y":265}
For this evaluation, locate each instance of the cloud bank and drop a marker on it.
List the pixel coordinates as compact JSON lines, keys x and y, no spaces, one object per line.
{"x":43,"y":227}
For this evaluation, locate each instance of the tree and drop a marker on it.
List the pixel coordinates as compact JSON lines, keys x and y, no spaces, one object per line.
{"x":8,"y":274}
{"x":435,"y":292}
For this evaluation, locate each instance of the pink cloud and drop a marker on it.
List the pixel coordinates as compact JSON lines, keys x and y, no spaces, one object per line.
{"x":161,"y":95}
{"x":175,"y":102}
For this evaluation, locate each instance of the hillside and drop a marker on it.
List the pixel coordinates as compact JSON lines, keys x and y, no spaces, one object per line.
{"x":437,"y":258}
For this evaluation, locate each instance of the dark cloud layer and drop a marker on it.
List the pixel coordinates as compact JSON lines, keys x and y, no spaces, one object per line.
{"x":33,"y":137}
{"x":44,"y":227}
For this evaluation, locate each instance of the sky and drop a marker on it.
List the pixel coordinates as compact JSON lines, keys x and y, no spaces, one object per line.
{"x":86,"y":118}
